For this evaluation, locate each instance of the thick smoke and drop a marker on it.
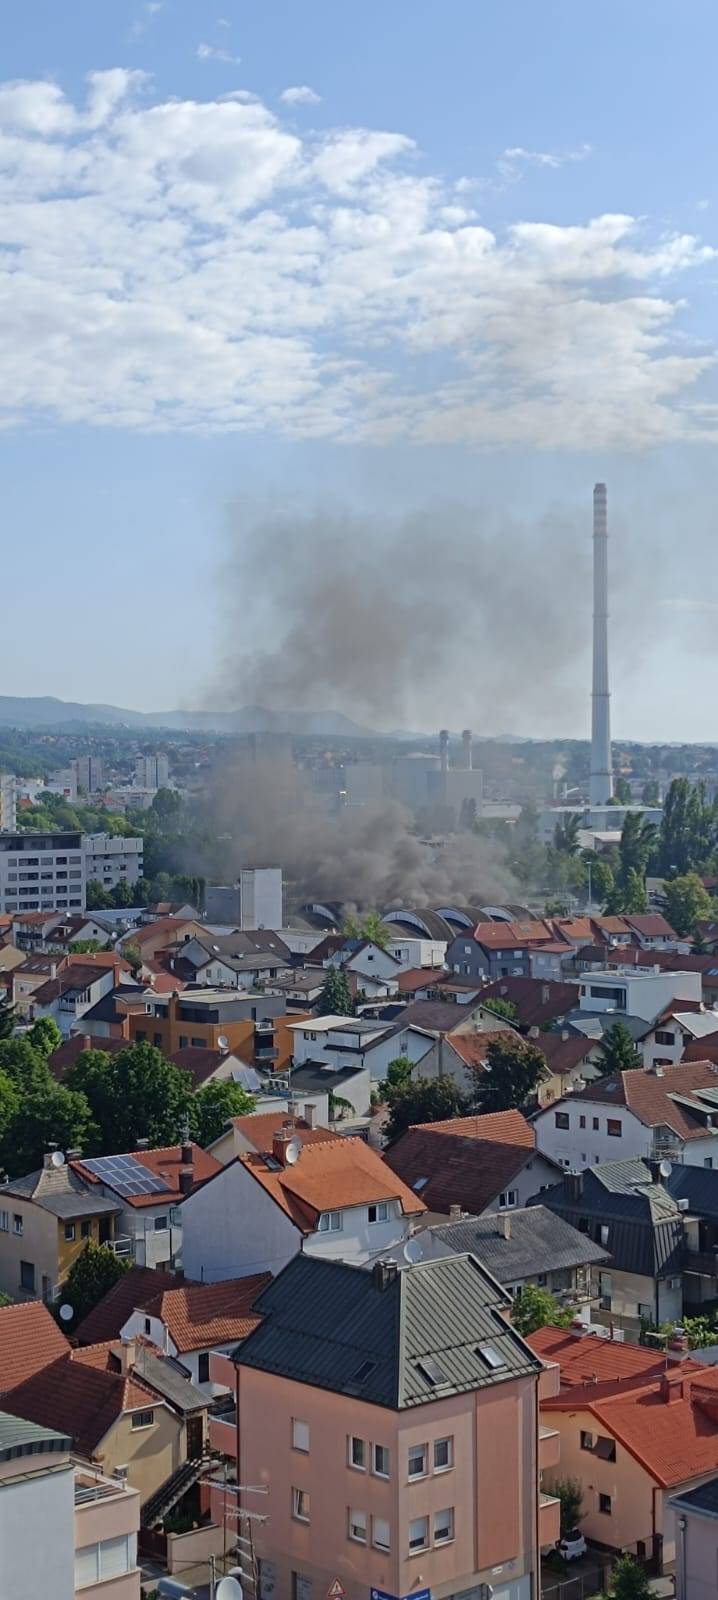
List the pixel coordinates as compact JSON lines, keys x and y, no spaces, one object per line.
{"x":449,"y":616}
{"x":264,"y":815}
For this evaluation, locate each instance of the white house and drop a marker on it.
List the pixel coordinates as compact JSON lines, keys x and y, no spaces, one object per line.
{"x":414,"y":952}
{"x":331,"y":1197}
{"x":338,"y":1042}
{"x":637,"y":991}
{"x":149,"y":1185}
{"x":661,"y":1111}
{"x":665,"y":1045}
{"x":191,"y":1321}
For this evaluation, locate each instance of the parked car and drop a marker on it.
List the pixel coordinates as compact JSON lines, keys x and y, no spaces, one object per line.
{"x":572,"y":1545}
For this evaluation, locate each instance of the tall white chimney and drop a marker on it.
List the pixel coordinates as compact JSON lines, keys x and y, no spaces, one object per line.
{"x":466,"y":746}
{"x":601,"y":788}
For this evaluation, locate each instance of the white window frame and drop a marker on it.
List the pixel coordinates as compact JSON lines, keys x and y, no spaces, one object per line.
{"x":377,"y":1526}
{"x":300,"y":1433}
{"x":381,"y":1212}
{"x":137,"y":1425}
{"x":358,"y":1531}
{"x":377,"y":1471}
{"x":448,"y":1440}
{"x":299,"y":1498}
{"x":508,"y":1199}
{"x":414,"y":1548}
{"x":4,"y":1221}
{"x":331,"y":1222}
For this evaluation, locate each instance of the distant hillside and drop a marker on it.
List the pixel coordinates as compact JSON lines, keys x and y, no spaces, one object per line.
{"x":46,"y":712}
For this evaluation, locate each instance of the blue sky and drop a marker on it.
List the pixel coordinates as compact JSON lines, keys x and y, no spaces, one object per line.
{"x":376,"y":258}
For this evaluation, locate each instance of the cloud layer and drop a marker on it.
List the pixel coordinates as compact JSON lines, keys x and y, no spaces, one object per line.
{"x":200,"y":265}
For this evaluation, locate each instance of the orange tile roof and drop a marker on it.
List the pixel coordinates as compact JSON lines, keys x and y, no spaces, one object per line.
{"x":328,"y":1176}
{"x":512,"y":935}
{"x":649,"y":1096}
{"x":588,"y":1359}
{"x":140,"y":936}
{"x":260,"y":1127}
{"x":108,"y":1317}
{"x":80,"y":1398}
{"x":29,"y":1340}
{"x":200,"y":1315}
{"x":166,"y":1164}
{"x":465,"y":1161}
{"x":473,"y":1047}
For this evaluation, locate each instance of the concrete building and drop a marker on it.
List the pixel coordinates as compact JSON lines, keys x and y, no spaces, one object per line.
{"x":392,"y":1415}
{"x":637,"y":992}
{"x":111,"y":859}
{"x":42,"y":872}
{"x":152,"y":772}
{"x":254,"y":901}
{"x":89,"y":773}
{"x":8,"y":802}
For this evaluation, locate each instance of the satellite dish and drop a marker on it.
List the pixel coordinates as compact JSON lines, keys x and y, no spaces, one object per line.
{"x":291,"y":1156}
{"x":665,"y":1169}
{"x":228,"y":1589}
{"x":413,"y":1251}
{"x":58,"y":1158}
{"x":67,"y":1313}
{"x":223,"y":1041}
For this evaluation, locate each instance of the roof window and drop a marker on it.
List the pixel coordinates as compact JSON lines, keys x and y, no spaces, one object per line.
{"x":491,"y":1356}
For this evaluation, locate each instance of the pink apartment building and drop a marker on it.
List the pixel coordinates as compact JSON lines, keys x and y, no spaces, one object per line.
{"x":390,"y":1417}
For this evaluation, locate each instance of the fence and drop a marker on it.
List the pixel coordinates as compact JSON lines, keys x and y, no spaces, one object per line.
{"x":579,"y":1586}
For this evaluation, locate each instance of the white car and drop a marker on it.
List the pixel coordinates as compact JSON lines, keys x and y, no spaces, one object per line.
{"x":572,"y":1545}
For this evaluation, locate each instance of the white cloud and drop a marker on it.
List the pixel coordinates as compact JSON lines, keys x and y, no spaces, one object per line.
{"x":300,"y":95}
{"x":200,"y":265}
{"x":546,"y":158}
{"x":147,"y":15}
{"x":211,"y":52}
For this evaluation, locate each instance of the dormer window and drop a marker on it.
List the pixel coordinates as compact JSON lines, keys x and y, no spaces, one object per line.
{"x":330,"y":1222}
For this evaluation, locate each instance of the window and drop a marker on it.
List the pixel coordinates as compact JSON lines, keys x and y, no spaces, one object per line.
{"x":69,"y":1231}
{"x":380,"y":1534}
{"x":586,"y":1440}
{"x":300,"y":1505}
{"x":381,"y":1461}
{"x":594,"y":1124}
{"x":562,"y":1119}
{"x":708,"y":1161}
{"x":664,"y":1036}
{"x":418,"y":1461}
{"x":142,"y":1419}
{"x":109,"y":1559}
{"x":199,"y":1044}
{"x":443,"y":1526}
{"x":157,"y":1039}
{"x":508,"y":1198}
{"x":357,"y":1526}
{"x":203,"y":1367}
{"x":357,"y":1453}
{"x":27,"y":1276}
{"x":443,"y":1454}
{"x":614,"y":1127}
{"x":85,"y":1230}
{"x":604,"y":1504}
{"x":542,"y":1279}
{"x":17,"y":1224}
{"x":148,"y":1325}
{"x":604,"y":1232}
{"x":4,"y":1221}
{"x":491,"y":1356}
{"x":379,"y":1212}
{"x":604,"y":1290}
{"x":605,"y":1448}
{"x":645,"y":1312}
{"x":330,"y":1222}
{"x":582,"y":1122}
{"x":160,"y":1224}
{"x":419,"y":1533}
{"x":300,"y":1434}
{"x":182,"y":1039}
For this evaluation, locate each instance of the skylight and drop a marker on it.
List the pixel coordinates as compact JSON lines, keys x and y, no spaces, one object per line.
{"x":491,"y":1356}
{"x":432,"y":1371}
{"x":420,"y":1184}
{"x":363,"y":1371}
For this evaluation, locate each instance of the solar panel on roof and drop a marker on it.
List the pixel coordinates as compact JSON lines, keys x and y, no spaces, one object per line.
{"x":126,"y":1175}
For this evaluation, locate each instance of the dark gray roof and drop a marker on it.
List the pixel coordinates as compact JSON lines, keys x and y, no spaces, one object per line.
{"x":313,"y":1077}
{"x":594,"y":1024}
{"x":540,"y":1241}
{"x":419,"y":1338}
{"x":697,"y":1185}
{"x":170,"y":1379}
{"x":645,"y":1227}
{"x":439,"y":1016}
{"x":59,"y":1190}
{"x":704,"y":1499}
{"x":105,"y":1009}
{"x":20,"y":1438}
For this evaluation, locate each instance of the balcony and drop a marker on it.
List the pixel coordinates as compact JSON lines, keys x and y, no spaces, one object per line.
{"x":549,"y":1520}
{"x":263,"y":1052}
{"x":702,"y":1262}
{"x":549,"y":1451}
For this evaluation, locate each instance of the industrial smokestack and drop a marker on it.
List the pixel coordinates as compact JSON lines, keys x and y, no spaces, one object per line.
{"x":444,"y":749}
{"x":601,"y":788}
{"x":466,"y":742}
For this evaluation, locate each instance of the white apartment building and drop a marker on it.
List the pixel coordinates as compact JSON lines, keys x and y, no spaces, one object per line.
{"x":667,"y":1112}
{"x":42,"y":872}
{"x":253,"y":901}
{"x":8,"y":801}
{"x":89,"y":773}
{"x":112,"y":859}
{"x":152,"y":772}
{"x":637,"y":992}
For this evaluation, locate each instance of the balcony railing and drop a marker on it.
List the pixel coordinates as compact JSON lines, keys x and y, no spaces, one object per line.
{"x":703,"y":1262}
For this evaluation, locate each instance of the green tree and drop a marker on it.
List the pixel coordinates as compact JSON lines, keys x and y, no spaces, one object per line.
{"x":700,"y":1332}
{"x":96,"y":1271}
{"x":335,"y":999}
{"x":685,"y":901}
{"x":501,"y":1008}
{"x":133,"y":956}
{"x":638,"y":844}
{"x":368,"y":926}
{"x":634,"y":894}
{"x":10,"y":1101}
{"x":7,"y":1018}
{"x":52,"y":1115}
{"x":651,"y":794}
{"x":98,"y":898}
{"x":688,"y":829}
{"x":570,"y":1493}
{"x":25,"y":1065}
{"x":618,"y":1052}
{"x":565,"y":834}
{"x":86,"y":947}
{"x":123,"y":894}
{"x":421,"y":1100}
{"x":535,"y":1308}
{"x":602,"y":881}
{"x":213,"y":1106}
{"x":629,"y":1580}
{"x":166,"y":808}
{"x":623,"y":792}
{"x":44,"y":1036}
{"x":133,"y":1095}
{"x":514,"y":1068}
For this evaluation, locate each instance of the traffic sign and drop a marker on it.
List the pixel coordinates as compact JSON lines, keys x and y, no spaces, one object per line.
{"x":336,"y":1590}
{"x":418,"y":1594}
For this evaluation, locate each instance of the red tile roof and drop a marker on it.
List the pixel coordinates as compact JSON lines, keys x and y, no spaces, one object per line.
{"x":166,"y":1164}
{"x":466,"y":1161}
{"x":29,"y":1340}
{"x":650,"y":925}
{"x":79,"y":1398}
{"x":648,"y":1096}
{"x":537,"y":1000}
{"x":67,"y":1053}
{"x":473,"y":1047}
{"x":512,"y":935}
{"x":168,"y":925}
{"x":108,"y":1317}
{"x":328,"y":1176}
{"x":260,"y":1127}
{"x":412,"y":978}
{"x":200,"y":1315}
{"x":588,"y":1359}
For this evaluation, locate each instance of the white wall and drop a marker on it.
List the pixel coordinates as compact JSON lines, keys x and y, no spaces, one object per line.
{"x":647,"y":994}
{"x":232,"y":1227}
{"x":157,"y":1331}
{"x":359,"y":1239}
{"x":582,"y":1147}
{"x":418,"y":952}
{"x":37,"y":1533}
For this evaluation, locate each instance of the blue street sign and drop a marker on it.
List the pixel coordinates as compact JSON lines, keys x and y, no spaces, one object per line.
{"x":418,"y":1594}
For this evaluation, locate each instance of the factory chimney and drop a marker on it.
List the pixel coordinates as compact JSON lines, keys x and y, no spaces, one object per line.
{"x":466,"y":743}
{"x":601,"y":788}
{"x":444,"y":749}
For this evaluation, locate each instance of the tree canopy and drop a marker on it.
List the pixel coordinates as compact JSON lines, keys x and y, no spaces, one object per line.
{"x":419,"y":1100}
{"x":686,"y":901}
{"x":212,"y":1107}
{"x":514,"y":1068}
{"x":617,"y":1052}
{"x":135,"y":1094}
{"x":335,"y":999}
{"x":535,"y":1308}
{"x":96,"y":1271}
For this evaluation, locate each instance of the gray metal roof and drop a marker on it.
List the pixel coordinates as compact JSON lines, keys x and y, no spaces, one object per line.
{"x":697,"y":1185}
{"x":540,"y":1241}
{"x":59,"y":1190}
{"x":20,"y":1438}
{"x":704,"y":1499}
{"x":645,"y":1227}
{"x":435,"y":1329}
{"x":170,"y":1379}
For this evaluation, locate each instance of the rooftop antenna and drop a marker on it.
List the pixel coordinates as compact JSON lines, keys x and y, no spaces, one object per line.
{"x":58,"y":1158}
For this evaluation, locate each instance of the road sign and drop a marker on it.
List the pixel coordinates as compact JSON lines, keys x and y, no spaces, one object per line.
{"x":336,"y":1590}
{"x":418,"y":1594}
